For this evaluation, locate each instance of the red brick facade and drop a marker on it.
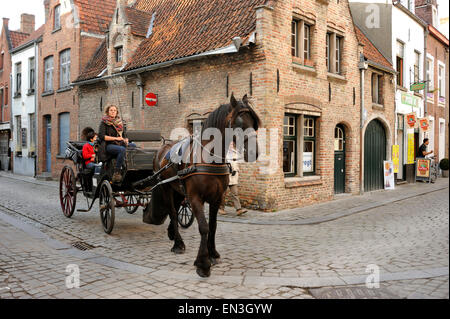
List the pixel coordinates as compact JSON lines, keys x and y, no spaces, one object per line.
{"x":437,"y":101}
{"x":280,"y":84}
{"x":73,"y":34}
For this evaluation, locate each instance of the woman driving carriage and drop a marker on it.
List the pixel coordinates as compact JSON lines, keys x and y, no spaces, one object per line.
{"x":113,"y":133}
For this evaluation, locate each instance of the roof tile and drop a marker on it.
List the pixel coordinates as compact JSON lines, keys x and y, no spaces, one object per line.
{"x":370,"y":51}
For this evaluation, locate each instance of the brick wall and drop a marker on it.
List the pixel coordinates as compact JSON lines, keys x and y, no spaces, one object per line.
{"x":60,"y":100}
{"x":436,"y":108}
{"x":202,"y":87}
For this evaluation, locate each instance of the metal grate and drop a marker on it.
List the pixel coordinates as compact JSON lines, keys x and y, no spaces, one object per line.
{"x":82,"y":245}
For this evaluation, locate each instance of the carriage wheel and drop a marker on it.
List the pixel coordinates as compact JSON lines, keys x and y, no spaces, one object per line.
{"x":67,"y":191}
{"x":131,"y":199}
{"x":107,"y":207}
{"x":185,"y":215}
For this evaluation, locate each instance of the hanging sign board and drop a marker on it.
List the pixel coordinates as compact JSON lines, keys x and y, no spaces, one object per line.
{"x":396,"y":157}
{"x":411,"y":119}
{"x":388,"y":175}
{"x":423,"y":169}
{"x":424,"y":124}
{"x":417,"y":86}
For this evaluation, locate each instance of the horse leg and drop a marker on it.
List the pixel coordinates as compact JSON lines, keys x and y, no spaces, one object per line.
{"x":202,"y":262}
{"x":213,"y":254}
{"x":178,"y":246}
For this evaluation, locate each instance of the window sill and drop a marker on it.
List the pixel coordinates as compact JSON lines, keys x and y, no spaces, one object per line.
{"x":30,"y":92}
{"x":377,"y":106}
{"x":17,"y":95}
{"x":304,"y":69}
{"x":18,"y":154}
{"x":401,"y":88}
{"x":64,"y":89}
{"x":56,"y":30}
{"x":60,"y":157}
{"x":293,"y":182}
{"x":48,"y":93}
{"x":418,"y":95}
{"x":334,"y":76}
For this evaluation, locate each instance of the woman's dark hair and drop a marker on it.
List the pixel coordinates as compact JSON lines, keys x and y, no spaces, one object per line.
{"x":88,"y":134}
{"x":425,"y":140}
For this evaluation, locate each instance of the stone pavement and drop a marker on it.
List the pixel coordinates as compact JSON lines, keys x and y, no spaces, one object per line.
{"x":407,"y":239}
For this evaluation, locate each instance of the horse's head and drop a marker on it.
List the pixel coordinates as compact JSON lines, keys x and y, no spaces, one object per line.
{"x":244,"y":117}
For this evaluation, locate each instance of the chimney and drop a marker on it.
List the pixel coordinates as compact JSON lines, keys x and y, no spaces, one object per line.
{"x":27,"y":23}
{"x":47,"y":9}
{"x":5,"y":22}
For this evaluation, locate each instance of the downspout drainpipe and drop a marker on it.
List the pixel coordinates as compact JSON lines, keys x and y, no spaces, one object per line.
{"x":36,"y":117}
{"x":363,"y":65}
{"x":140,"y":84}
{"x":425,"y":37}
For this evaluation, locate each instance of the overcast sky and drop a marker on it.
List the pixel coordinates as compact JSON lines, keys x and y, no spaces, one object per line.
{"x":13,"y":8}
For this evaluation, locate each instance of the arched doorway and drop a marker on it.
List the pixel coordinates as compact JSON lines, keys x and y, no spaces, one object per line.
{"x":339,"y":159}
{"x":374,"y":155}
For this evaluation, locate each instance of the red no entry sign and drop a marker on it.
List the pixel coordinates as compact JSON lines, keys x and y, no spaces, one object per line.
{"x":151,"y":99}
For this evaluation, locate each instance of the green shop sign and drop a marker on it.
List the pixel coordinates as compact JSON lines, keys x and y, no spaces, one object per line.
{"x":418,"y":86}
{"x":410,"y":100}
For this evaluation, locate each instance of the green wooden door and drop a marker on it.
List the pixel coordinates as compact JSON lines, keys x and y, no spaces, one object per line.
{"x":339,"y":160}
{"x":374,"y":155}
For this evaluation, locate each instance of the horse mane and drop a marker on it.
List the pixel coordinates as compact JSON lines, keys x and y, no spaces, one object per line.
{"x":218,"y":118}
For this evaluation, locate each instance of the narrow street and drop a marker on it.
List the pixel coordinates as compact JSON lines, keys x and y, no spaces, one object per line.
{"x":311,"y":252}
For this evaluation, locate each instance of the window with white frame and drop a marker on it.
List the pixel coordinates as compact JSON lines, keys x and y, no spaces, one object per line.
{"x":441,"y":79}
{"x":18,"y":78}
{"x":32,"y":127}
{"x":32,"y":74}
{"x":399,"y":64}
{"x":64,"y":68}
{"x":57,"y":18}
{"x":119,"y":54}
{"x":301,"y":40}
{"x":430,"y":73}
{"x":48,"y":75}
{"x":334,"y":46}
{"x":19,"y":134}
{"x":377,"y":88}
{"x":416,"y":66}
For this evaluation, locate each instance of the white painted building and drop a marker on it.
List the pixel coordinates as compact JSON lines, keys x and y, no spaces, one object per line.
{"x":400,"y":36}
{"x":24,"y":85}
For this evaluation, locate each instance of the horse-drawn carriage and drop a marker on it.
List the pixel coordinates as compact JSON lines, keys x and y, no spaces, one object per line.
{"x":169,"y":182}
{"x":96,"y":183}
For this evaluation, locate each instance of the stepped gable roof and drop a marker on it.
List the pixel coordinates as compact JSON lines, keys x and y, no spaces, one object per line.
{"x":370,"y":51}
{"x":96,"y":65}
{"x":185,"y":28}
{"x":95,"y":15}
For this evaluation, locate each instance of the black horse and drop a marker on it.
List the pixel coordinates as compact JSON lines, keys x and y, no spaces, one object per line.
{"x":207,"y":184}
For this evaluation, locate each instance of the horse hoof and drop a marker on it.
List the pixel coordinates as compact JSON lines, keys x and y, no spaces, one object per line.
{"x":214,"y":261}
{"x":178,"y":250}
{"x":203,"y":273}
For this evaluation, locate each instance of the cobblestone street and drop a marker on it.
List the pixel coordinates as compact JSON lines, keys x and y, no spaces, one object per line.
{"x":299,"y":253}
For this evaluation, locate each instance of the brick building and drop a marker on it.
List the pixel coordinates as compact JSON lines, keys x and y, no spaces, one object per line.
{"x":73,"y":31}
{"x":297,"y":60}
{"x":437,"y":74}
{"x":9,"y":39}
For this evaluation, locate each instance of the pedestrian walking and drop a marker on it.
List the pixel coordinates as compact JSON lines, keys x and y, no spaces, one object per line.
{"x":232,"y":157}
